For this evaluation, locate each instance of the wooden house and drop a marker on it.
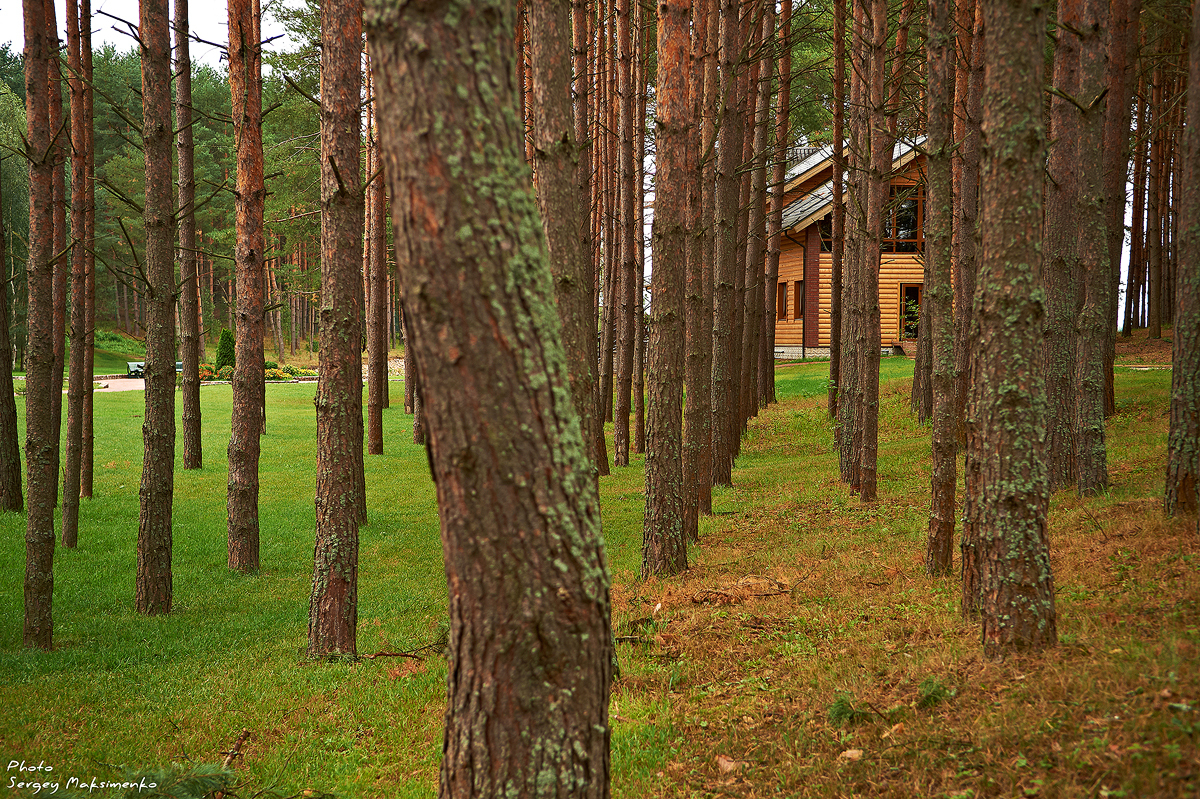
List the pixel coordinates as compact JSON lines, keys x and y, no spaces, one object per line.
{"x":806,"y":260}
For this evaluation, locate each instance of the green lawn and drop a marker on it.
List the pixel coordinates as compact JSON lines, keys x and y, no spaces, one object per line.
{"x":750,"y":674}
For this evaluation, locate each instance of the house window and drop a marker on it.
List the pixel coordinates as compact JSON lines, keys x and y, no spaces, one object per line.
{"x":910,"y":311}
{"x":825,"y":228}
{"x":904,"y":220}
{"x":798,"y":302}
{"x":781,"y":301}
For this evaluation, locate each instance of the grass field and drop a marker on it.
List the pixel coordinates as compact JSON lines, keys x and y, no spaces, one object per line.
{"x":804,"y":654}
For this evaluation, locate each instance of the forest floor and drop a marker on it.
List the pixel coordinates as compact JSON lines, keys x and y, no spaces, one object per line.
{"x":805,"y":652}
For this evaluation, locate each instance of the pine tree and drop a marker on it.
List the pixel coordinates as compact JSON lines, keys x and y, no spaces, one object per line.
{"x":527,"y":711}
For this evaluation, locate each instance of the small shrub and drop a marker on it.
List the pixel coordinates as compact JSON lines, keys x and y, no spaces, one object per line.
{"x":316,"y":345}
{"x":932,"y":692}
{"x":276,"y":374}
{"x":270,"y":365}
{"x":290,"y":370}
{"x":225,"y":373}
{"x":206,"y":371}
{"x":844,"y":711}
{"x":306,"y":372}
{"x":225,"y":351}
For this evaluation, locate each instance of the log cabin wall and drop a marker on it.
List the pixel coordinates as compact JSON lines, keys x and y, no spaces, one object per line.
{"x":803,"y":261}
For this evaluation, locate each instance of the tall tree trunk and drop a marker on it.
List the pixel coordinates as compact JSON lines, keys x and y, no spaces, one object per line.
{"x":40,"y":437}
{"x":877,"y":192}
{"x":1092,"y":326}
{"x":783,"y":108}
{"x":153,"y":584}
{"x":966,"y":333}
{"x":752,"y":326}
{"x":1182,"y":493}
{"x":11,"y":495}
{"x":89,"y":236}
{"x":527,"y":711}
{"x":562,"y":198}
{"x":586,"y":98}
{"x":728,"y":189}
{"x":76,"y":385}
{"x":377,"y":305}
{"x":189,"y":294}
{"x":697,"y":420}
{"x":1010,"y":403}
{"x":245,"y":81}
{"x":848,"y":431}
{"x":1137,"y":232}
{"x":745,"y":100}
{"x":638,"y":393}
{"x":1061,"y":275}
{"x":333,"y":608}
{"x":61,"y":264}
{"x":1122,"y":58}
{"x":839,"y":207}
{"x":664,"y":547}
{"x":629,"y":284}
{"x":938,"y":307}
{"x":1154,"y":213}
{"x":968,"y":84}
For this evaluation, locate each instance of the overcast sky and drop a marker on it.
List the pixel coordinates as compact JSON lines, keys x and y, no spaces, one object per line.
{"x":208,"y":20}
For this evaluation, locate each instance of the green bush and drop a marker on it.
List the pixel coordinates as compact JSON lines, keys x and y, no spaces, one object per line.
{"x":290,"y":370}
{"x":225,"y":373}
{"x":206,"y":371}
{"x":225,"y":351}
{"x":270,"y":365}
{"x":276,"y":374}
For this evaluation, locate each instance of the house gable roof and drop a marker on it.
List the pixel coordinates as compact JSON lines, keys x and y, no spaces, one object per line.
{"x":817,"y":203}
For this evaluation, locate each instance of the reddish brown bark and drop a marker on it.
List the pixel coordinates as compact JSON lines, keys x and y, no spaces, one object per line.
{"x":877,"y":181}
{"x":561,"y":198}
{"x":783,"y":107}
{"x":530,"y":663}
{"x":1121,"y":79}
{"x":839,"y":205}
{"x":1063,"y":298}
{"x":153,"y":585}
{"x":377,"y":305}
{"x":753,"y":345}
{"x":1092,"y":325}
{"x":1182,"y":494}
{"x":698,"y":301}
{"x":11,"y":492}
{"x":939,"y":295}
{"x":78,"y":382}
{"x":333,"y":608}
{"x":629,"y":286}
{"x":189,"y":289}
{"x":727,"y":198}
{"x":966,"y":210}
{"x":245,"y":81}
{"x":62,"y":264}
{"x":40,"y":461}
{"x":664,"y":547}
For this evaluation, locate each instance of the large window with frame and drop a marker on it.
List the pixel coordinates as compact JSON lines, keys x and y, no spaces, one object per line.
{"x":798,"y":302}
{"x":781,"y":301}
{"x":904,"y":219}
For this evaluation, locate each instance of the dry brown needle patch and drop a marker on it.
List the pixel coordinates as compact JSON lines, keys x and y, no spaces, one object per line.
{"x":807,"y":653}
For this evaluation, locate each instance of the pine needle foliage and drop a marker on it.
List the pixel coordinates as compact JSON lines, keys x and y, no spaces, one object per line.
{"x":225,"y":350}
